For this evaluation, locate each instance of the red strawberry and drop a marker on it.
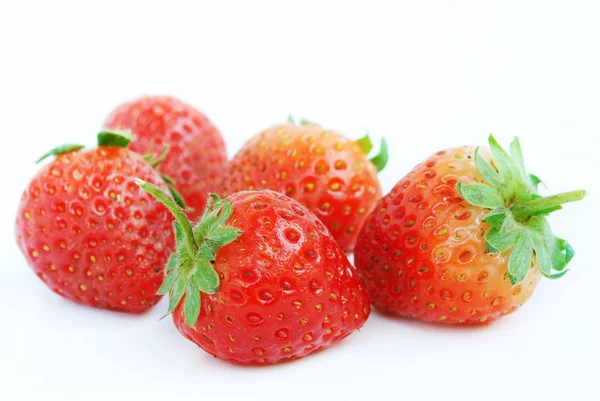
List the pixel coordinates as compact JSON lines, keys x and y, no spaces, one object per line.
{"x":90,"y":233}
{"x":196,"y":153}
{"x":276,"y":284}
{"x":460,"y":240}
{"x":323,"y":170}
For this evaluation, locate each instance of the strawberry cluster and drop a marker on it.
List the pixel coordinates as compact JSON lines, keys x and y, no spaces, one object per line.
{"x":253,"y":251}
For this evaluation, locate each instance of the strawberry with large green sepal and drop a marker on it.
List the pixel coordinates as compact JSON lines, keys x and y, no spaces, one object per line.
{"x":89,"y":232}
{"x":322,"y":169}
{"x":196,"y":157}
{"x":259,"y":279}
{"x":463,"y":238}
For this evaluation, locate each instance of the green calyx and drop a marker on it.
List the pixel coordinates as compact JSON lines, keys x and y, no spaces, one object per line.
{"x":189,"y":270}
{"x":114,"y":138}
{"x":105,"y":138}
{"x":380,"y":159}
{"x":518,"y":214}
{"x":59,"y":150}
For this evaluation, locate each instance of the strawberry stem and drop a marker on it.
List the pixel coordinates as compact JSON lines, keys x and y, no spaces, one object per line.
{"x":548,"y":203}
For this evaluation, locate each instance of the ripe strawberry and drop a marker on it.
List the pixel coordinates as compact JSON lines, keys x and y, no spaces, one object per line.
{"x":323,"y":170}
{"x":460,"y":240}
{"x":196,"y":153}
{"x":90,"y":233}
{"x":276,"y":284}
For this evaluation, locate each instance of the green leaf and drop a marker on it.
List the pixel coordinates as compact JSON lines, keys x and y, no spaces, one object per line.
{"x":562,"y":253}
{"x":175,"y":209}
{"x":498,"y":240}
{"x":224,"y":235}
{"x":290,"y":119}
{"x":480,"y":195}
{"x":555,"y":276}
{"x":114,"y":138}
{"x":380,"y":160}
{"x":487,"y":171}
{"x":225,"y":210}
{"x":156,"y":162}
{"x":517,"y":154}
{"x":542,"y":255}
{"x":496,"y":217}
{"x":520,"y":259}
{"x":535,"y":180}
{"x":169,"y":281}
{"x":206,"y":277}
{"x":167,"y":179}
{"x":365,"y":144}
{"x":191,"y":307}
{"x":172,"y":262}
{"x":506,"y":167}
{"x":176,"y":294}
{"x":59,"y":150}
{"x":176,"y":196}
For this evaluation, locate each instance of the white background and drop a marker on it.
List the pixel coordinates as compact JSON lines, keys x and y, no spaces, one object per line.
{"x":427,"y":75}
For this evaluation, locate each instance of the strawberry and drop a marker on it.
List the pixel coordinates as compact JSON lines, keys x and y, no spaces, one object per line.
{"x":275,"y":285}
{"x":196,"y":153}
{"x":463,"y":238}
{"x":90,"y":233}
{"x":323,"y":170}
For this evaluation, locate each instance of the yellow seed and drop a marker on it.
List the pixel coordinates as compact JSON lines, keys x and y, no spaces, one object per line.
{"x":308,"y":337}
{"x":483,"y":319}
{"x":231,"y":338}
{"x":128,"y":272}
{"x":335,"y":186}
{"x":27,"y":215}
{"x":93,"y":258}
{"x":123,"y":302}
{"x":83,"y":287}
{"x":101,"y":277}
{"x":431,"y":305}
{"x":287,"y":349}
{"x":309,"y":186}
{"x":442,"y":318}
{"x":318,"y":307}
{"x":35,"y":253}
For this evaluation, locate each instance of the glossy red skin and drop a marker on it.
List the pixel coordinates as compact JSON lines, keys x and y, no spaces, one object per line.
{"x":197,"y":154}
{"x":91,"y":234}
{"x":422,"y":251}
{"x":323,"y":170}
{"x":286,"y":290}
